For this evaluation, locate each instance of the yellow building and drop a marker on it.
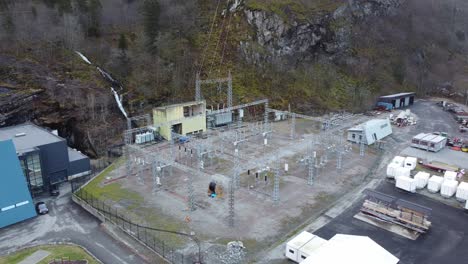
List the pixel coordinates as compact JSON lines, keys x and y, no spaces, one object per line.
{"x":185,"y":118}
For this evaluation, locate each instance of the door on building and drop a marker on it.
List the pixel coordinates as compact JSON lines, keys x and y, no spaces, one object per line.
{"x":374,"y":136}
{"x":177,"y":128}
{"x":407,"y":101}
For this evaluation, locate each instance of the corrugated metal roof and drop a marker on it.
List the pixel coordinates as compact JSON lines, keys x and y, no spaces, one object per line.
{"x":397,"y":95}
{"x":34,"y":136}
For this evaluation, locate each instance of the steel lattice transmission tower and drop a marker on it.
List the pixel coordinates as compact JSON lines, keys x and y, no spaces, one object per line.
{"x":228,"y":80}
{"x":276,"y":191}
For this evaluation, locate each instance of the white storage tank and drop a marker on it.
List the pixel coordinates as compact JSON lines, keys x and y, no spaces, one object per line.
{"x":462,"y":192}
{"x":400,"y":161}
{"x":411,"y":162}
{"x":138,"y":139}
{"x":293,"y":246}
{"x":434,"y":183}
{"x":421,"y":179}
{"x":310,"y":247}
{"x":450,"y":175}
{"x":406,"y":183}
{"x":448,"y":188}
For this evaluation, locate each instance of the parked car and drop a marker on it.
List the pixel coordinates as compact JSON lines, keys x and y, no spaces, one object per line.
{"x":41,"y":208}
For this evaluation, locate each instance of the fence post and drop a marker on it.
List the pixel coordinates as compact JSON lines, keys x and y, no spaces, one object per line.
{"x":163,"y":249}
{"x":138,"y":231}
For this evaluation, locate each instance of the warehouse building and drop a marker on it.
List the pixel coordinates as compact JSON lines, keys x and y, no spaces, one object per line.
{"x":399,"y":100}
{"x":15,"y":200}
{"x":44,"y":157}
{"x":184,"y":119}
{"x":370,"y":131}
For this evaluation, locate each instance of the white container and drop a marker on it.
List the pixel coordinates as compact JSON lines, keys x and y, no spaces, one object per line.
{"x":411,"y":162}
{"x":421,"y":179}
{"x":403,"y":172}
{"x":462,"y":191}
{"x":448,"y":188}
{"x":434,"y":183}
{"x":392,"y":170}
{"x":450,"y":175}
{"x":293,"y":246}
{"x":400,"y":161}
{"x":310,"y":247}
{"x":406,"y":183}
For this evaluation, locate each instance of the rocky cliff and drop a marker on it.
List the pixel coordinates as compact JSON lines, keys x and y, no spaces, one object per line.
{"x":329,"y":32}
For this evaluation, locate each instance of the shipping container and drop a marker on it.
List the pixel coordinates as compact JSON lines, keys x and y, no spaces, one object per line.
{"x":293,"y":246}
{"x":310,"y":247}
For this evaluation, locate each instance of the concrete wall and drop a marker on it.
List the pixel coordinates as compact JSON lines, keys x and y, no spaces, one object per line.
{"x":15,"y":200}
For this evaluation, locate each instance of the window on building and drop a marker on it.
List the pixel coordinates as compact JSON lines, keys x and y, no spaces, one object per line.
{"x":186,"y":111}
{"x":291,"y":251}
{"x":354,"y":136}
{"x":31,"y":166}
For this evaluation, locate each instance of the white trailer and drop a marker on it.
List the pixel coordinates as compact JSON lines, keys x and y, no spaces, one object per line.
{"x":295,"y":244}
{"x":310,"y":247}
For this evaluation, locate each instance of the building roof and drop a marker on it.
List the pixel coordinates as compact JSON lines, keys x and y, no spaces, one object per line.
{"x":28,"y":136}
{"x":350,"y":250}
{"x":74,"y":155}
{"x":397,"y":95}
{"x":371,"y":122}
{"x":300,"y":240}
{"x":429,"y":137}
{"x":180,"y":105}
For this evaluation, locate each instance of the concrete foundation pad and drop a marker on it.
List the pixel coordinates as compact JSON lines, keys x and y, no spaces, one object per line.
{"x":399,"y":230}
{"x":36,"y":257}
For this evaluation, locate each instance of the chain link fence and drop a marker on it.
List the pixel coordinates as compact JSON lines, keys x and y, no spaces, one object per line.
{"x":146,"y":235}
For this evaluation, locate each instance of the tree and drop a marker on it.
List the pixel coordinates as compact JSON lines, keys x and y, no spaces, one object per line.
{"x":151,"y":12}
{"x":123,"y":44}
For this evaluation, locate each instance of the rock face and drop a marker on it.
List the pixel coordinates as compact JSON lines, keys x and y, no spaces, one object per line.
{"x":275,"y":38}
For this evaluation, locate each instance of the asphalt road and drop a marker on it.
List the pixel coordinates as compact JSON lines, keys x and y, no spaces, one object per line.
{"x":445,"y":243}
{"x":67,"y":222}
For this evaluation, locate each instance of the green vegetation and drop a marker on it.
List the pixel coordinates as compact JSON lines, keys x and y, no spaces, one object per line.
{"x":56,"y":252}
{"x":112,"y":191}
{"x":288,"y":9}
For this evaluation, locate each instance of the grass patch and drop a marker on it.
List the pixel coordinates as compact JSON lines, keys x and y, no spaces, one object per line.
{"x":56,"y":252}
{"x":113,"y":191}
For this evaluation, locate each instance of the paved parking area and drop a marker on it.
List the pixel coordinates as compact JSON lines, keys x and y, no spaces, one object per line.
{"x":67,"y":222}
{"x":445,"y":243}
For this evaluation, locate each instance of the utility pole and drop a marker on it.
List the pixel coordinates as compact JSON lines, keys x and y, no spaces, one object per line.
{"x":293,"y":126}
{"x":276,"y":184}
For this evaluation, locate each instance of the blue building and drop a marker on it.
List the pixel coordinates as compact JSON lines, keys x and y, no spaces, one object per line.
{"x":15,"y":199}
{"x":45,"y":158}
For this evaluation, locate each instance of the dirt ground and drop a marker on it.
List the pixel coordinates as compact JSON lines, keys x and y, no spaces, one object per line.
{"x":259,"y":220}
